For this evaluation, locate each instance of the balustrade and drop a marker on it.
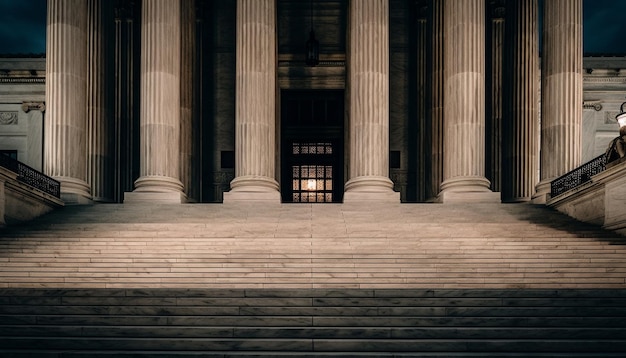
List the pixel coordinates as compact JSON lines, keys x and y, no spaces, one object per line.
{"x":31,"y":177}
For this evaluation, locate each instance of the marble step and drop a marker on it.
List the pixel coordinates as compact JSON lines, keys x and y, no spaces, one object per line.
{"x":147,"y":331}
{"x":343,"y":322}
{"x":294,"y":345}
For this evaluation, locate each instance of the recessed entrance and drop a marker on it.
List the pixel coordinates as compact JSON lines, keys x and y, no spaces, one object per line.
{"x":312,"y":146}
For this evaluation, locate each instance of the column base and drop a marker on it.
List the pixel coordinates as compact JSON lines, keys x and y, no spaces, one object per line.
{"x":455,"y":197}
{"x":467,"y":190}
{"x":74,"y":191}
{"x":370,"y":188}
{"x":156,"y":189}
{"x":543,"y":190}
{"x":139,"y":197}
{"x":253,"y":189}
{"x":158,"y":184}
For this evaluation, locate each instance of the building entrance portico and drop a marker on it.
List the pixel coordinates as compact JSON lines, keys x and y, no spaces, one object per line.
{"x":312,"y":146}
{"x":198,"y":116}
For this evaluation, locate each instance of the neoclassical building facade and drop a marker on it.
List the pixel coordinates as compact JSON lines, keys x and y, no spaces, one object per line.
{"x":411,"y":100}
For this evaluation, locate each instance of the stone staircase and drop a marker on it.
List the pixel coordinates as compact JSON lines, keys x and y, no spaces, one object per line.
{"x":312,"y":323}
{"x":418,"y":280}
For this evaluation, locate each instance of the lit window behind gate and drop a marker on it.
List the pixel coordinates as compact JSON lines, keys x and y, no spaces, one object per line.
{"x":312,"y":137}
{"x":312,"y":183}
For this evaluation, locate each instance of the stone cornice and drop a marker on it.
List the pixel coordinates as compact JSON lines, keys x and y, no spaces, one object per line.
{"x":23,"y":80}
{"x":612,"y":79}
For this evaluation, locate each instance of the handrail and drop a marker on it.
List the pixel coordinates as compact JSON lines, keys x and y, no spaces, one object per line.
{"x":31,"y":177}
{"x":578,"y":176}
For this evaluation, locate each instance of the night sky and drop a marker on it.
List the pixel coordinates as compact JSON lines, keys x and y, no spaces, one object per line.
{"x":23,"y":26}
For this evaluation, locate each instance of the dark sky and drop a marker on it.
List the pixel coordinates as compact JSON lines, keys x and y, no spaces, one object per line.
{"x":22,"y":26}
{"x":604,"y":28}
{"x":23,"y":29}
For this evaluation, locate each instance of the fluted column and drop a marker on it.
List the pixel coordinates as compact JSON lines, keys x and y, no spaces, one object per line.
{"x":65,"y":126}
{"x":255,"y":103}
{"x":464,"y":101}
{"x":521,"y":105}
{"x":160,"y":98}
{"x":125,"y":114}
{"x":435,"y":130}
{"x":561,"y":90}
{"x":493,"y":118}
{"x":98,"y":126}
{"x":187,"y":55}
{"x":422,"y":41}
{"x":369,"y":101}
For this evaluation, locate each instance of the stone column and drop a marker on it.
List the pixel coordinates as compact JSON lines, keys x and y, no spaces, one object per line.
{"x":65,"y":128}
{"x":126,"y":115}
{"x":493,"y":118}
{"x":187,"y":56}
{"x":435,"y":130}
{"x":255,"y":103}
{"x":368,"y":70}
{"x":464,"y":103}
{"x":98,"y":127}
{"x":520,"y":98}
{"x":160,"y":102}
{"x":562,"y":92}
{"x":417,"y":179}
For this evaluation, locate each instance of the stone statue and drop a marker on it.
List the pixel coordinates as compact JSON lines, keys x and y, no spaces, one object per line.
{"x":617,"y":147}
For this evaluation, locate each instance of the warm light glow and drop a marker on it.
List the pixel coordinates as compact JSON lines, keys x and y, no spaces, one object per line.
{"x":311,"y":184}
{"x":621,"y":119}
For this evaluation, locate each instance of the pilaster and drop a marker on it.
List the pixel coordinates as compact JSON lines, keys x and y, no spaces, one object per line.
{"x":368,"y":70}
{"x":562,"y":92}
{"x":65,"y":144}
{"x":255,"y":103}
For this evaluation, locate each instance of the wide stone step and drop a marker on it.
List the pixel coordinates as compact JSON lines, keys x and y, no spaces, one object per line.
{"x":155,"y":322}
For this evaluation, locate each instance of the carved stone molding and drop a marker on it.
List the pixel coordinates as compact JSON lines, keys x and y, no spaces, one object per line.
{"x":33,"y":106}
{"x":596,"y":105}
{"x":7,"y":118}
{"x":609,"y":117}
{"x":603,"y":80}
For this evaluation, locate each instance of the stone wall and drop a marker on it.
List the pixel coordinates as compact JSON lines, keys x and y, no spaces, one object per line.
{"x":21,"y":108}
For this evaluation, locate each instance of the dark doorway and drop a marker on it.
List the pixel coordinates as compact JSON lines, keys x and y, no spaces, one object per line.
{"x":312,"y":146}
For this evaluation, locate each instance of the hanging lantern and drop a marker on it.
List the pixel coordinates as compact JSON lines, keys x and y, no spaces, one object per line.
{"x":312,"y":45}
{"x":312,"y":50}
{"x":621,"y":117}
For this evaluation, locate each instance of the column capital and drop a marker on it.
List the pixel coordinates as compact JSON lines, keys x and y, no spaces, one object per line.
{"x":33,"y":106}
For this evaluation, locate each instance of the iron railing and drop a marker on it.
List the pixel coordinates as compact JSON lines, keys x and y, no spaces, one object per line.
{"x":31,"y":177}
{"x":578,"y":176}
